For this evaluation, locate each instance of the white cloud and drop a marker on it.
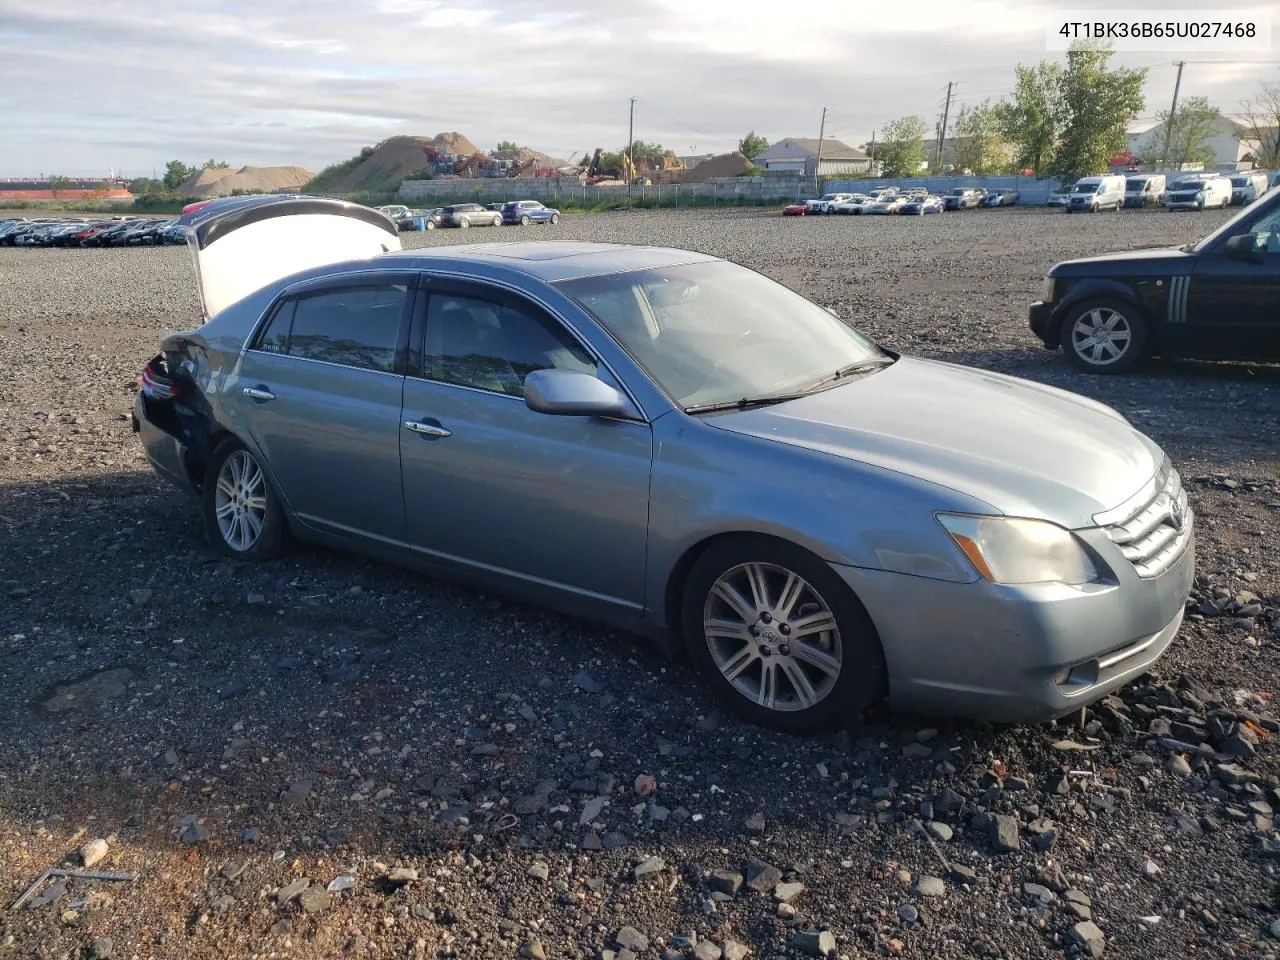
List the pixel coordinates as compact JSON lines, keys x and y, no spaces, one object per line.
{"x":134,"y":83}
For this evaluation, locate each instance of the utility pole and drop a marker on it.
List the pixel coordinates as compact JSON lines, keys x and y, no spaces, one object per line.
{"x":631,"y":149}
{"x":1168,"y":129}
{"x":817,"y":166}
{"x":872,"y":169}
{"x":942,"y":131}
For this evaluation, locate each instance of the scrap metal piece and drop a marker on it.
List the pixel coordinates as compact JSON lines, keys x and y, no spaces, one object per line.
{"x":69,"y":874}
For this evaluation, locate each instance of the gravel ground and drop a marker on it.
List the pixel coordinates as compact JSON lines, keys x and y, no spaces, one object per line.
{"x":324,"y":756}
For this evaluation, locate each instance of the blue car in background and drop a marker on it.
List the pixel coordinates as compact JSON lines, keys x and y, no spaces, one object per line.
{"x":525,"y":212}
{"x":919,"y":206}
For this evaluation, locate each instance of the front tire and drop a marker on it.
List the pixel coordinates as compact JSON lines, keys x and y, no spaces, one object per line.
{"x":464,"y":223}
{"x":780,"y":637}
{"x":555,"y":218}
{"x":241,"y":513}
{"x":1104,"y":336}
{"x":524,"y":220}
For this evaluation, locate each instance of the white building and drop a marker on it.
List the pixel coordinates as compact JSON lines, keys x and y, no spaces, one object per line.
{"x":1230,"y":142}
{"x":800,"y":154}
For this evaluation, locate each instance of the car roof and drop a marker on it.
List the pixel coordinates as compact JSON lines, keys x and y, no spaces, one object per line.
{"x":547,"y":260}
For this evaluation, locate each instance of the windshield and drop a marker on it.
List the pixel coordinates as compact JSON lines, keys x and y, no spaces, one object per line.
{"x":957,"y":191}
{"x":1261,"y":213}
{"x":1190,"y":185}
{"x":716,"y":332}
{"x":1136,"y":185}
{"x":1085,"y":188}
{"x":1239,"y":181}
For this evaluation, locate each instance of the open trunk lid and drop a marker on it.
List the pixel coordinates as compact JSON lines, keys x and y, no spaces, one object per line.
{"x":241,"y":247}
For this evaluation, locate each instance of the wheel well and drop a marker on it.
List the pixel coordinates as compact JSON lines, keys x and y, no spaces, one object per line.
{"x":674,"y":595}
{"x":198,"y":454}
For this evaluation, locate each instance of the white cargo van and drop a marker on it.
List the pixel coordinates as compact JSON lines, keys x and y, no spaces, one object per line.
{"x":1200,"y":191}
{"x":1091,"y":194}
{"x":1144,"y":190}
{"x":1248,"y":187}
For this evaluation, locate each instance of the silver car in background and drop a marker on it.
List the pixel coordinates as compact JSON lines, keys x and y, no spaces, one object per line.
{"x":678,"y":446}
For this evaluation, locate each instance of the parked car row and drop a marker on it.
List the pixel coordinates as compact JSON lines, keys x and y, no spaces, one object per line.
{"x":913,"y":201}
{"x":84,"y":232}
{"x":511,"y":213}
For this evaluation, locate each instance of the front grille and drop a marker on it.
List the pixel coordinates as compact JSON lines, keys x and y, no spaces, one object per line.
{"x":1153,"y":527}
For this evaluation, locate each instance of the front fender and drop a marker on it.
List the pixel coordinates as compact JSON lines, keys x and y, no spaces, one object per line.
{"x":1087,"y":288}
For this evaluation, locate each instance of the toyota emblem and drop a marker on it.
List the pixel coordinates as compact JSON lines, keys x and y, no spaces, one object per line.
{"x":1176,"y":517}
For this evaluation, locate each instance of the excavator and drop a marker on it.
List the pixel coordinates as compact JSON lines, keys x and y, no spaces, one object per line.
{"x":624,"y":171}
{"x":520,"y":166}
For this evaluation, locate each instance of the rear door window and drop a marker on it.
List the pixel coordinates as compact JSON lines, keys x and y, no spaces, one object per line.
{"x":355,"y":326}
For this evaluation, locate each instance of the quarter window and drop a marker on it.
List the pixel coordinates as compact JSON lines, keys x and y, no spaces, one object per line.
{"x":352,"y":326}
{"x":476,"y":342}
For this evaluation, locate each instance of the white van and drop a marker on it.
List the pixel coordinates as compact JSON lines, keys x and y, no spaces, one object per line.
{"x":1144,"y":190}
{"x":1092,"y":194}
{"x":1248,"y":187}
{"x":1199,"y":191}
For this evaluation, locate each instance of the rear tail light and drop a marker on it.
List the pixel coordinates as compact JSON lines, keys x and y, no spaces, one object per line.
{"x":155,"y":380}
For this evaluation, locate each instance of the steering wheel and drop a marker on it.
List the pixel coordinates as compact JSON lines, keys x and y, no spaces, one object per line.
{"x":730,"y":350}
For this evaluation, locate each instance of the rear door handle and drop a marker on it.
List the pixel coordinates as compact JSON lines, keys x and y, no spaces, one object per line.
{"x":428,"y":428}
{"x":260,"y":392}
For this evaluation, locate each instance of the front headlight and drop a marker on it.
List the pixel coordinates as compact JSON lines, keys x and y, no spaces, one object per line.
{"x":1014,"y":550}
{"x":1199,"y":194}
{"x":1046,"y":290}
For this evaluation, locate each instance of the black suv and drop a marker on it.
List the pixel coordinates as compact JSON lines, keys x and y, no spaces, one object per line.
{"x":1217,"y":298}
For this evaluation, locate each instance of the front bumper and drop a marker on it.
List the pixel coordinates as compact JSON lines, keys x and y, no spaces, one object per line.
{"x":1042,"y":325}
{"x":1184,"y":204}
{"x":1019,"y":654}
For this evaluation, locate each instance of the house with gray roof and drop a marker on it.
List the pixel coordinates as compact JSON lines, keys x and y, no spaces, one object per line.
{"x":800,"y":155}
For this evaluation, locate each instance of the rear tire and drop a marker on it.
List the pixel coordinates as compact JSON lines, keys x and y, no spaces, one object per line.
{"x":779,"y":636}
{"x":464,"y":223}
{"x":241,"y":513}
{"x":524,"y":220}
{"x":1104,"y":336}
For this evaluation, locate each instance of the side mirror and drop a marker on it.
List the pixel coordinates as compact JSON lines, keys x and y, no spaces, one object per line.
{"x":1249,"y":247}
{"x":571,"y":393}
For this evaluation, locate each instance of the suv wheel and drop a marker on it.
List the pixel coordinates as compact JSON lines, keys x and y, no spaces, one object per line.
{"x":1104,"y":336}
{"x":524,"y":220}
{"x":555,"y":218}
{"x":780,"y":636}
{"x":464,"y":222}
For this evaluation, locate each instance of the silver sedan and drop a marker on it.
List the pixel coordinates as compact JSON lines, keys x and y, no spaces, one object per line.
{"x":678,"y":446}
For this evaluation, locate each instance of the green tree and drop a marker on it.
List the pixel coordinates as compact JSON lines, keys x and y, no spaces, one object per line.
{"x":901,"y":153}
{"x":175,"y":172}
{"x":1262,"y":123}
{"x":508,"y":146}
{"x":1031,"y":121}
{"x":212,"y":164}
{"x":140,"y":185}
{"x":978,"y":144}
{"x":1182,"y":137}
{"x":1097,"y":106}
{"x":641,"y":151}
{"x":752,"y":145}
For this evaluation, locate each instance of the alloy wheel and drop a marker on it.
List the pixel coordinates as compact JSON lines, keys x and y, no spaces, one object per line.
{"x":772,"y":636}
{"x":1101,"y":336}
{"x":240,"y":501}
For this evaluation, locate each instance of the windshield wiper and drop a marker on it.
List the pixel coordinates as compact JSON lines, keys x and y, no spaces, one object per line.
{"x":847,"y":371}
{"x":746,"y":403}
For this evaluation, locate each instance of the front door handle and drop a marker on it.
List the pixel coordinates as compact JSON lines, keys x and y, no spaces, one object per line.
{"x":260,"y":392}
{"x":428,"y":428}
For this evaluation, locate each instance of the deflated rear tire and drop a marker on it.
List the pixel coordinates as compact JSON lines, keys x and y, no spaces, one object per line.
{"x":780,"y":637}
{"x":241,"y":514}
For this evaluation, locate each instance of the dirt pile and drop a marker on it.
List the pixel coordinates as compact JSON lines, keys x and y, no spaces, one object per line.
{"x":222,"y":182}
{"x":383,"y":167}
{"x":724,"y":165}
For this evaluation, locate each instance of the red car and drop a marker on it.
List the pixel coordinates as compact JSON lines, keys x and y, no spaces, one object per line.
{"x":797,"y":209}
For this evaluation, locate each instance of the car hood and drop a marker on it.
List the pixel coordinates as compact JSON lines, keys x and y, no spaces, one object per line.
{"x":241,"y":249}
{"x":1026,"y":449}
{"x":1125,"y":263}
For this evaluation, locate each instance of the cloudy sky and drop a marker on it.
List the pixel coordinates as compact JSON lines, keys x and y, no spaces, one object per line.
{"x":130,"y":84}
